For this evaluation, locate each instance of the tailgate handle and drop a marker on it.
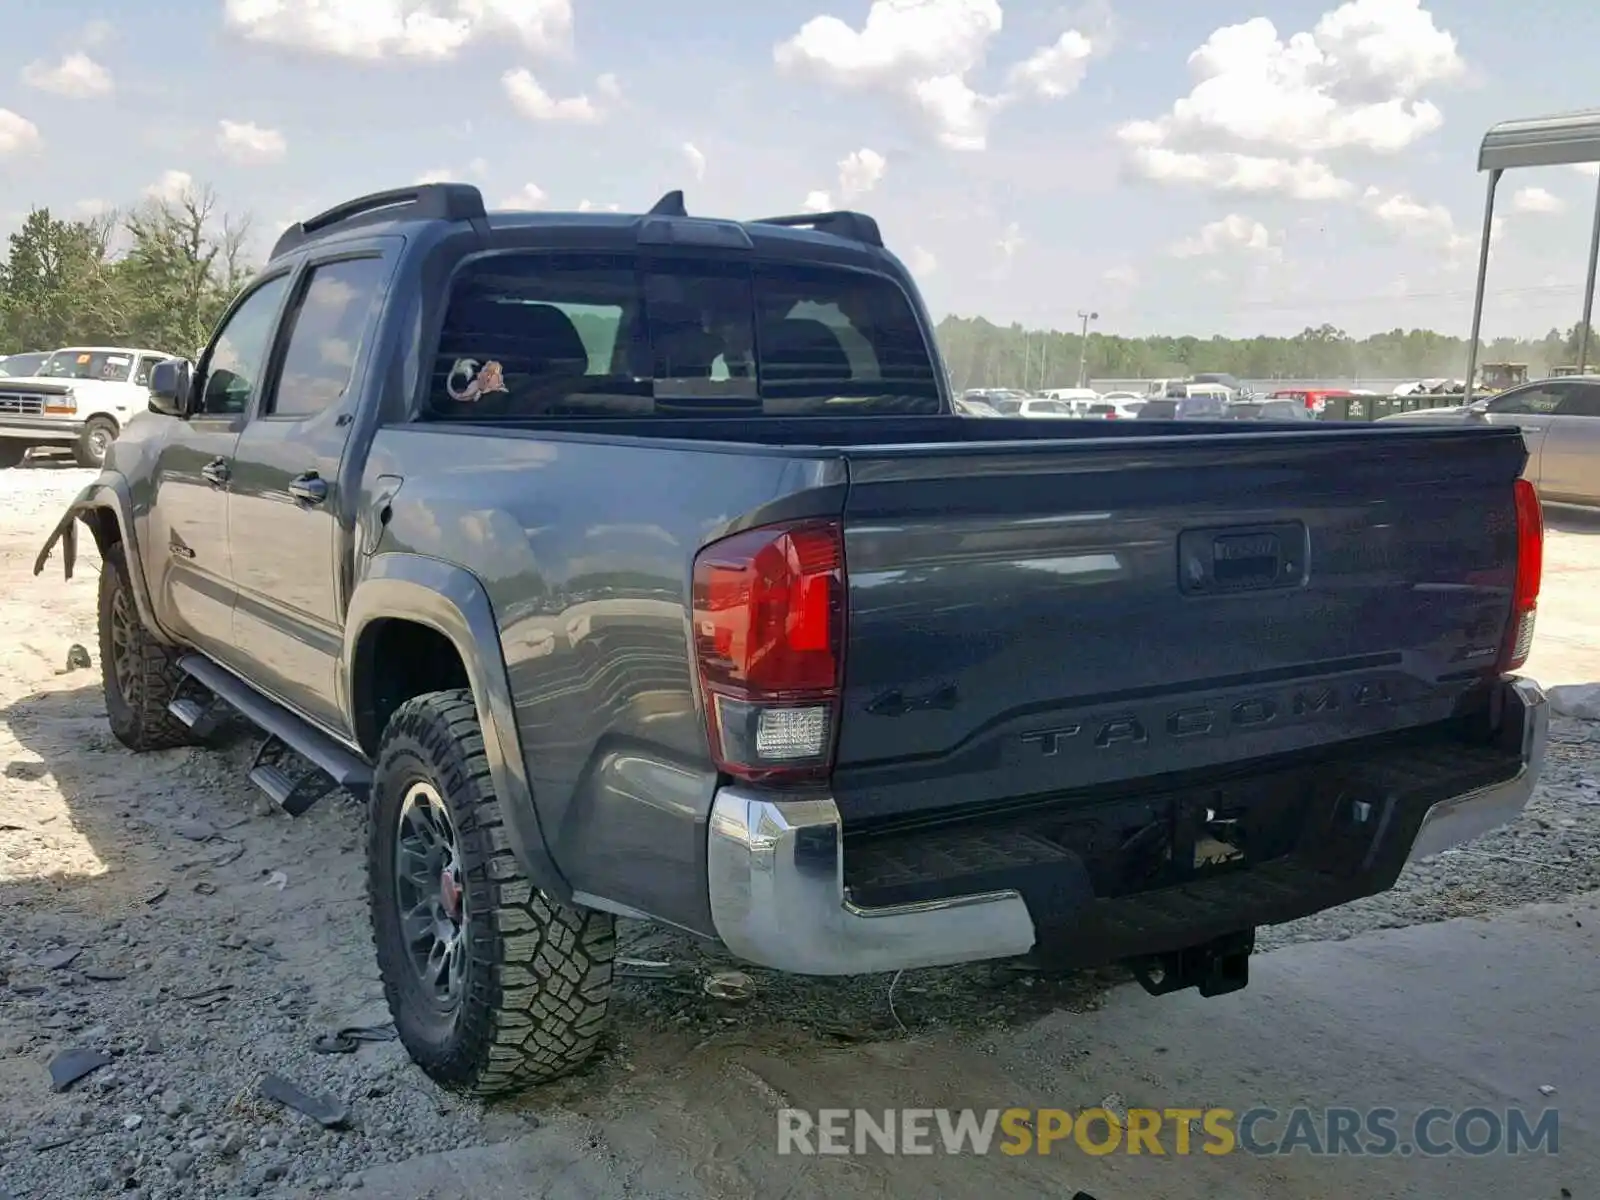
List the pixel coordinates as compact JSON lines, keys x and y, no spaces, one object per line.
{"x":1246,"y":558}
{"x":1242,"y":560}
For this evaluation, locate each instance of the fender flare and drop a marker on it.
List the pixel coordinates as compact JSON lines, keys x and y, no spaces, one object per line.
{"x":451,"y":601}
{"x":110,"y":493}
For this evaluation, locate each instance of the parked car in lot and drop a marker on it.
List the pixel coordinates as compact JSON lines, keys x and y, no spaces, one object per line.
{"x":1315,"y":400}
{"x":618,"y":582}
{"x":1107,"y":409}
{"x":1186,"y":403}
{"x":20,"y":366}
{"x":1269,"y":410}
{"x":1053,"y":409}
{"x":79,"y":398}
{"x":1560,"y":422}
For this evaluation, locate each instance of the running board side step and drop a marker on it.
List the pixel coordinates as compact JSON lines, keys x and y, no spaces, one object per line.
{"x":294,"y":791}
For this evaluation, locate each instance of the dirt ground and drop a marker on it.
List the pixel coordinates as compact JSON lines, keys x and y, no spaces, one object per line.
{"x":159,"y":909}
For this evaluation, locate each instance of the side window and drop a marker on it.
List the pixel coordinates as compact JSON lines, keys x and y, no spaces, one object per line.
{"x":240,"y":351}
{"x":1581,"y":401}
{"x":141,"y":377}
{"x":325,"y":332}
{"x":1531,"y":402}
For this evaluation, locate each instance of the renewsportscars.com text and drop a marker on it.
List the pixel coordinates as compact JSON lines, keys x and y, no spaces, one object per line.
{"x":1433,"y":1132}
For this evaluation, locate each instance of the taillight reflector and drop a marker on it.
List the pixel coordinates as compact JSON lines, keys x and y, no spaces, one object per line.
{"x":1530,"y":575}
{"x":769,"y":612}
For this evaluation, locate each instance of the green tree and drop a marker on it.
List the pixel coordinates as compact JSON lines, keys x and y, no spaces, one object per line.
{"x":55,"y":284}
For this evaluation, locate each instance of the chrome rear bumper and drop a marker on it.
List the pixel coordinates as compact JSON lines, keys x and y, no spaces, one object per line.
{"x":1462,"y":818}
{"x":778,"y":899}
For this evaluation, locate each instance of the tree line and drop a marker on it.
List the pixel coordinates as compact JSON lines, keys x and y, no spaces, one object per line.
{"x":159,"y":274}
{"x":981,"y":354}
{"x":156,"y":275}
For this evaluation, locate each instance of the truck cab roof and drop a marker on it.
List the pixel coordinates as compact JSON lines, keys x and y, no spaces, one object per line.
{"x":844,"y":237}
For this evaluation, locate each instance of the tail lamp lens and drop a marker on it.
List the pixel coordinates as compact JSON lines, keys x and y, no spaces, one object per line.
{"x":1530,"y":575}
{"x":769,"y":609}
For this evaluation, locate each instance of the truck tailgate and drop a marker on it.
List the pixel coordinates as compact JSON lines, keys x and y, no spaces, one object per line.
{"x":1028,"y":619}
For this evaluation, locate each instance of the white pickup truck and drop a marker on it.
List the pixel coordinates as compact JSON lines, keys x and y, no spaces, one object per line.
{"x":80,"y":399}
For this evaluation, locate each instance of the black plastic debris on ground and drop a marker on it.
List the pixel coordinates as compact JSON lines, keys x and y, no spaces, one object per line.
{"x":346,"y":1040}
{"x":72,"y":1065}
{"x":324,"y":1110}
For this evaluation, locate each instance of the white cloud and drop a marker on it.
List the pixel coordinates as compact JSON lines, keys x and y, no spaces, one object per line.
{"x":172,"y":187}
{"x":1352,"y":83}
{"x":77,"y":76}
{"x":1536,"y":200}
{"x":1242,"y":174}
{"x":591,"y":206}
{"x":924,"y":51}
{"x":379,"y":29}
{"x":1232,"y":234}
{"x":92,"y":207}
{"x":1430,"y":225}
{"x":1056,"y":70}
{"x":697,"y":159}
{"x":17,"y":133}
{"x":249,"y":144}
{"x":609,"y":87}
{"x":530,"y":99}
{"x":478,"y":168}
{"x":1121,"y":276}
{"x":921,"y":262}
{"x":860,"y":171}
{"x":1010,"y":241}
{"x":531,"y":195}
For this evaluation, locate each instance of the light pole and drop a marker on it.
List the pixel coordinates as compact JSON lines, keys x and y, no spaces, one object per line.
{"x":1083,"y":351}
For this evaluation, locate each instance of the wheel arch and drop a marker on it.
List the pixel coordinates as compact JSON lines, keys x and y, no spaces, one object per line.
{"x":106,"y":508}
{"x":415,"y":593}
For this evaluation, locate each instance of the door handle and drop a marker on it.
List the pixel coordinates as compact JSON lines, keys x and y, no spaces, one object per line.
{"x":309,"y":488}
{"x":215,"y":472}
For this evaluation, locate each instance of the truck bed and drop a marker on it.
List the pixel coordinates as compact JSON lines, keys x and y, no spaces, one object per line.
{"x":1019,"y":625}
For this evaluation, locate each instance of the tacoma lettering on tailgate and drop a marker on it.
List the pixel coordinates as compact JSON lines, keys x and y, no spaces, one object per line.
{"x":1198,"y":720}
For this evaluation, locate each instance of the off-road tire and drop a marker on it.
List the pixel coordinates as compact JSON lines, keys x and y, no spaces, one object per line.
{"x":12,"y":453}
{"x":94,"y":443}
{"x":538,"y":979}
{"x":137,"y":706}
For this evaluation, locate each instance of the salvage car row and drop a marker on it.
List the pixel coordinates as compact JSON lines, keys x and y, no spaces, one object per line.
{"x":77,"y":399}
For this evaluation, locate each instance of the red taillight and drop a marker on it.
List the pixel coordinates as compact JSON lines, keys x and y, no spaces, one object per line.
{"x":1530,"y":573}
{"x":769,"y":608}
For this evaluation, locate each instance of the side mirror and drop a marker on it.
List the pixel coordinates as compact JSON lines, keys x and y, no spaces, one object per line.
{"x":169,"y":388}
{"x":1478,"y":412}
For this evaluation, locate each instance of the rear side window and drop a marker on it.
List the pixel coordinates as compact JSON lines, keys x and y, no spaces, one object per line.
{"x":592,"y":335}
{"x":1581,"y":401}
{"x":325,"y":334}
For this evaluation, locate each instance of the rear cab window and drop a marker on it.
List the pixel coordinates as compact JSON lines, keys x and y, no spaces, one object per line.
{"x":563,"y":335}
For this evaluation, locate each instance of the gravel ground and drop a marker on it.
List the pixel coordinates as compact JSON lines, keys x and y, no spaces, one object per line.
{"x":161,"y":913}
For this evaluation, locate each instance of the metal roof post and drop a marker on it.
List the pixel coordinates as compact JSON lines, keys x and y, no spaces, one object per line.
{"x":1588,"y":287}
{"x":1483,"y":275}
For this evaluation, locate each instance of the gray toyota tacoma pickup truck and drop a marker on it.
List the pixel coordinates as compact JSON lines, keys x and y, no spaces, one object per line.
{"x":639,"y":566}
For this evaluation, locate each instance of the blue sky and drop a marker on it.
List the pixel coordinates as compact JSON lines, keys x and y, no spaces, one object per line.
{"x":1220,"y":166}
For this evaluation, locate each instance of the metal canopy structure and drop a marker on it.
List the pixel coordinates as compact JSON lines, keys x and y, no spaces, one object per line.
{"x":1566,"y":139}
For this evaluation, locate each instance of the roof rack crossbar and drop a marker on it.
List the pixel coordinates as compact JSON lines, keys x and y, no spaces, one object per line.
{"x":428,"y":201}
{"x":854,"y":226}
